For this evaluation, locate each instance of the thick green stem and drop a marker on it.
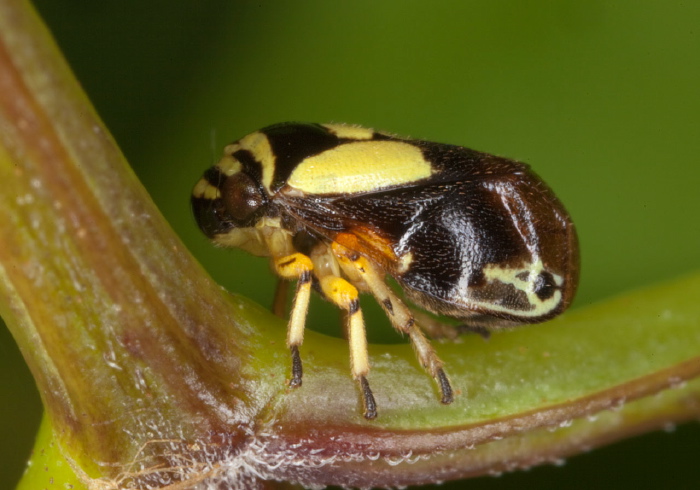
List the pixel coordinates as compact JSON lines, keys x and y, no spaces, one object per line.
{"x":152,"y":375}
{"x":120,"y":327}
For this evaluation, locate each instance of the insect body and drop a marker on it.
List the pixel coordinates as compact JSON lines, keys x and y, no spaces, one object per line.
{"x":465,"y":234}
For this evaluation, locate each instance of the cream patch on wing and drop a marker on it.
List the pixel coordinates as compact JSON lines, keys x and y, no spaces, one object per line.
{"x":523,"y":279}
{"x":360,"y":166}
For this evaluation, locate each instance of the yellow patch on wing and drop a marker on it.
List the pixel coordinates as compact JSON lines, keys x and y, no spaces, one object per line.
{"x":521,"y":279}
{"x":360,"y":166}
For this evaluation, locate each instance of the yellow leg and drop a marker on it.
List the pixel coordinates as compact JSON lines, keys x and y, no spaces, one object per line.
{"x":296,"y":266}
{"x":353,"y":264}
{"x":345,"y":295}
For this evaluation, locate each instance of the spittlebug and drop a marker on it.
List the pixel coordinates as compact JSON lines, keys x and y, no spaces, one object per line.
{"x":465,"y":234}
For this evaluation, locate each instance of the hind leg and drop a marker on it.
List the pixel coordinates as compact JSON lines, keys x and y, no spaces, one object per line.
{"x":360,"y":270}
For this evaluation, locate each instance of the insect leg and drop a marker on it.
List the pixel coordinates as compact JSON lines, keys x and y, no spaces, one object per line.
{"x":296,"y":266}
{"x":434,"y":328}
{"x":345,"y":295}
{"x":399,"y":314}
{"x":279,"y":302}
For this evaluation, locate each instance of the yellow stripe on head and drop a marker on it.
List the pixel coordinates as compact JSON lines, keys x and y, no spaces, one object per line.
{"x":228,"y":165}
{"x":349,"y":131}
{"x":204,"y":190}
{"x":259,"y":146}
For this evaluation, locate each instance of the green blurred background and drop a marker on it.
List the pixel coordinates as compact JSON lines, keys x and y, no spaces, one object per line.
{"x":601,"y":98}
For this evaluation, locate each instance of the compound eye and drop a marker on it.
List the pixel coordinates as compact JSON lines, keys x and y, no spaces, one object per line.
{"x":241,"y":196}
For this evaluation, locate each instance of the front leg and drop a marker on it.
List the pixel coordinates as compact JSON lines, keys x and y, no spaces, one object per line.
{"x":296,"y":266}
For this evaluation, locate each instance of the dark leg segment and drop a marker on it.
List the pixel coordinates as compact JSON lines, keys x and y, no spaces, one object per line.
{"x":368,"y":399}
{"x":297,"y":370}
{"x":445,"y":387}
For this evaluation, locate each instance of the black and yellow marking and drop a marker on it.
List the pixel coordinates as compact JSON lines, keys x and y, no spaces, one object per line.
{"x":465,"y":234}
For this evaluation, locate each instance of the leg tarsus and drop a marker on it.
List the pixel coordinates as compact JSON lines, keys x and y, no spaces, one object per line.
{"x":445,"y":387}
{"x":297,"y":370}
{"x":370,"y":406}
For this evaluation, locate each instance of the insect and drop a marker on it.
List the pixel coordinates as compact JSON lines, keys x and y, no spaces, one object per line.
{"x":339,"y":208}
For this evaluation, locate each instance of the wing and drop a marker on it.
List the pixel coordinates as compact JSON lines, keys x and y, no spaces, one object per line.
{"x":481,"y":235}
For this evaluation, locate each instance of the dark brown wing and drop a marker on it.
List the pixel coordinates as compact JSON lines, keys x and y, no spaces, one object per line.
{"x":481,"y":236}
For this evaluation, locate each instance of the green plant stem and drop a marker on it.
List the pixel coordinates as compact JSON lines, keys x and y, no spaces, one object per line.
{"x":152,"y":376}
